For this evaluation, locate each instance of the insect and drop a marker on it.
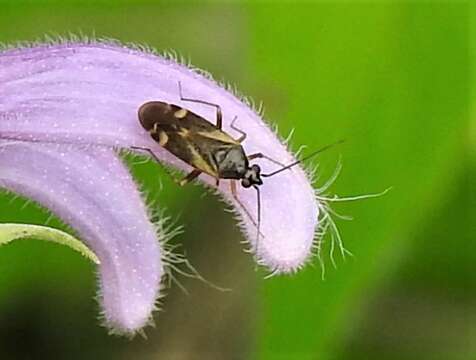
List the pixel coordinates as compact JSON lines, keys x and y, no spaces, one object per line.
{"x":206,"y":147}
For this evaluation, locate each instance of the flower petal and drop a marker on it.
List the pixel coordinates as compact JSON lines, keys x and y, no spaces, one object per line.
{"x":92,"y":191}
{"x":89,"y":93}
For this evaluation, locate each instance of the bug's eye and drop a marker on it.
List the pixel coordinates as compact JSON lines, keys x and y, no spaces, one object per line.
{"x":245,"y":183}
{"x":256,"y":168}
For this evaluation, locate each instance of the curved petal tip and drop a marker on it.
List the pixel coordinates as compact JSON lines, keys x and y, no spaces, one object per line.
{"x":87,"y":93}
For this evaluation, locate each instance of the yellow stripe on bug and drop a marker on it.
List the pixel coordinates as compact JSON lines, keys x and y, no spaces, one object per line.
{"x":200,"y":163}
{"x":184,"y":132}
{"x":163,"y":138}
{"x":154,"y":129}
{"x":218,"y":135}
{"x":180,"y":114}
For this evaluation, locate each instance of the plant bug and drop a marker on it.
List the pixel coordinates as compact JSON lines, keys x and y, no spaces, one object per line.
{"x":207,"y":148}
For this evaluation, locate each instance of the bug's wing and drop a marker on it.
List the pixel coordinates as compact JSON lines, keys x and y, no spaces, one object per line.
{"x":189,"y":149}
{"x":185,"y":134}
{"x":163,"y":114}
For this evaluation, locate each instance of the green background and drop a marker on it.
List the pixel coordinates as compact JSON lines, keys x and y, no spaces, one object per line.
{"x":390,"y":77}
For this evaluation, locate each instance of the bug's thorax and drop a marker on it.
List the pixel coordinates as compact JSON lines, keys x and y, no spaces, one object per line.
{"x":231,"y":162}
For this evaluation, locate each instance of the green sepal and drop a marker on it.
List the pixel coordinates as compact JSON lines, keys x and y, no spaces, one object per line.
{"x":10,"y":232}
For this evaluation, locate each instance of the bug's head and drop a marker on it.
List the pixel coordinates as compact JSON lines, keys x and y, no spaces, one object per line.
{"x":252,"y":176}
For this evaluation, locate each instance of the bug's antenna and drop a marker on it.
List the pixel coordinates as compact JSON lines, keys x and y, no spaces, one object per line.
{"x":258,"y":195}
{"x":314,"y":153}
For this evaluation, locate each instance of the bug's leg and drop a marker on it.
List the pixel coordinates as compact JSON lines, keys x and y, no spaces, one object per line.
{"x":262,"y":156}
{"x":192,"y":175}
{"x":243,"y":134}
{"x":235,"y":195}
{"x":257,"y":225}
{"x":147,"y":150}
{"x":258,"y":199}
{"x":219,"y":112}
{"x":217,"y":182}
{"x":181,"y":182}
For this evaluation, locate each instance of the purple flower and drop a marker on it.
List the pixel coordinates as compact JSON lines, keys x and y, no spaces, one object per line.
{"x":91,"y":190}
{"x":64,"y":110}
